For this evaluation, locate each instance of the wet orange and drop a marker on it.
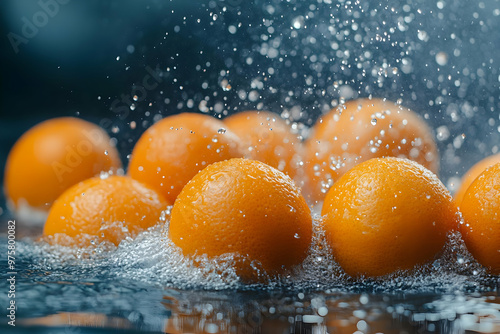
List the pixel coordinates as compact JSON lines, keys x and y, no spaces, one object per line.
{"x":472,"y":174}
{"x":51,"y":157}
{"x":481,"y":226}
{"x":246,"y":208}
{"x":269,"y":139}
{"x":360,"y":130}
{"x":385,"y":215}
{"x":106,"y":209}
{"x":173,"y":150}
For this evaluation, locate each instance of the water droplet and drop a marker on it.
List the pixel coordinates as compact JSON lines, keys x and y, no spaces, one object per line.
{"x":221,"y":131}
{"x":298,"y":22}
{"x":373,"y":121}
{"x":322,"y":311}
{"x":442,"y":58}
{"x":442,"y":133}
{"x":422,"y":35}
{"x":296,"y":236}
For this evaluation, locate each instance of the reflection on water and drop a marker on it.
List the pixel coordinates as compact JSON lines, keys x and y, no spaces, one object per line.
{"x":76,"y":319}
{"x":339,"y":313}
{"x":246,"y":312}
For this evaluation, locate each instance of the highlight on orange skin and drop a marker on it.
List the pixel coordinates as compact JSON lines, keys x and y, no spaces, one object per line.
{"x":246,"y":208}
{"x":472,"y":174}
{"x":360,"y":130}
{"x":480,"y":209}
{"x":386,"y":215}
{"x":176,"y":148}
{"x":269,"y":139}
{"x":51,"y":157}
{"x":108,"y":209}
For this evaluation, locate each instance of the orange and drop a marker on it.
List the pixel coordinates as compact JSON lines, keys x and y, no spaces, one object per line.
{"x":360,"y":130}
{"x":51,"y":157}
{"x":481,"y":213}
{"x":472,"y":173}
{"x":173,"y":150}
{"x":385,"y":215}
{"x":269,"y":139}
{"x":246,"y":208}
{"x":106,"y":209}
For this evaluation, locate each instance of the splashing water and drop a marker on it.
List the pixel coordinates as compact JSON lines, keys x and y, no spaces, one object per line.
{"x":154,"y":259}
{"x":151,"y":269}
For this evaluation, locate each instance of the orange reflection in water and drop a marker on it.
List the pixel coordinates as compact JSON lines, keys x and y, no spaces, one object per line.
{"x":77,"y":319}
{"x":283,"y":315}
{"x":315,"y":313}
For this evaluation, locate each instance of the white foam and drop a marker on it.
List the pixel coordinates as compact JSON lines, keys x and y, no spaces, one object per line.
{"x":152,"y":257}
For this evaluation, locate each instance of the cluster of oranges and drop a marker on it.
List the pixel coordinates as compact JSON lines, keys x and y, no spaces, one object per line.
{"x":245,"y":186}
